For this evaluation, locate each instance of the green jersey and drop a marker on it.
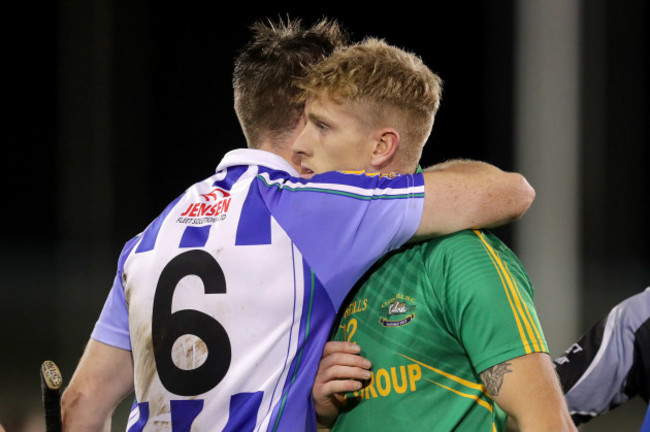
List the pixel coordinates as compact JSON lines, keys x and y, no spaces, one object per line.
{"x":431,"y":317}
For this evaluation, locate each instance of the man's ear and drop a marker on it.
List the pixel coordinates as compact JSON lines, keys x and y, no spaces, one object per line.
{"x":385,"y":148}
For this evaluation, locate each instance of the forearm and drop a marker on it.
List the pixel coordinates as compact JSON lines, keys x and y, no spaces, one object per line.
{"x":510,"y":190}
{"x":462,"y":194}
{"x":556,"y":423}
{"x":102,"y":379}
{"x":80,"y":412}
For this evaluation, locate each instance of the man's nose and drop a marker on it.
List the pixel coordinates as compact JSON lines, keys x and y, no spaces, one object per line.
{"x":299,"y":146}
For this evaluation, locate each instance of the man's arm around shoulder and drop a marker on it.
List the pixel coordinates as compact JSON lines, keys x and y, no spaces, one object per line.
{"x":462,"y":194}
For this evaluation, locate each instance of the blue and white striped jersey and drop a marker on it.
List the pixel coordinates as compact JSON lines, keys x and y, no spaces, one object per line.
{"x":227,"y":298}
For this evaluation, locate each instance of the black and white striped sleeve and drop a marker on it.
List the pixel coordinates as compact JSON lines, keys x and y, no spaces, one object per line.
{"x":610,"y":363}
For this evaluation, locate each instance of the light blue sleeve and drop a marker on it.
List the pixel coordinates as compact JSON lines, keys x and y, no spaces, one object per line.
{"x":342,"y":223}
{"x":112,"y":327}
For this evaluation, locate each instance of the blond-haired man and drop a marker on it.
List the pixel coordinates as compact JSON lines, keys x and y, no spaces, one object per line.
{"x":448,"y":325}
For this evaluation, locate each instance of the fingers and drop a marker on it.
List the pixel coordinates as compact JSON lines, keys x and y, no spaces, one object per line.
{"x":337,"y":388}
{"x":336,"y":374}
{"x":342,"y":368}
{"x":333,"y":347}
{"x":341,"y":360}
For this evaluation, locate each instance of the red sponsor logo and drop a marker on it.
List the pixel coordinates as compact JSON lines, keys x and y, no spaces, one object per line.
{"x":217,"y":204}
{"x":216,"y":194}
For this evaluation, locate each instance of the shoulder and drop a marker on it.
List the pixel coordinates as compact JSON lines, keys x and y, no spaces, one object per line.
{"x":443,"y":248}
{"x":462,"y":242}
{"x":380,"y":184}
{"x":469,"y":252}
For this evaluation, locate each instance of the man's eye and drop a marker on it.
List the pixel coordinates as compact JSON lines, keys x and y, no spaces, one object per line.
{"x":321,"y":127}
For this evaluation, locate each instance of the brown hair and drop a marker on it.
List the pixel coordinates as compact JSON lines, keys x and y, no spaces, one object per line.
{"x":265,"y":95}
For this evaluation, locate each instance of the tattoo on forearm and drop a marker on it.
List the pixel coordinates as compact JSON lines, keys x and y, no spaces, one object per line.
{"x":493,"y":377}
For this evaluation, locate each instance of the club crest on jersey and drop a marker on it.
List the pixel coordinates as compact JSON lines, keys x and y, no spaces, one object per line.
{"x":211,"y":207}
{"x":397,"y":311}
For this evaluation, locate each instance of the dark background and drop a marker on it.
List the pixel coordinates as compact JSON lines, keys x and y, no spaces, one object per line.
{"x":112,"y":108}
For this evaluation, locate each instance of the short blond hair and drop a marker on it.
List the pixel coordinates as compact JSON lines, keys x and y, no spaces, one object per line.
{"x":391,"y":84}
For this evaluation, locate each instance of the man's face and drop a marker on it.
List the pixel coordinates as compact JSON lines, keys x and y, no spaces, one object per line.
{"x":334,"y":139}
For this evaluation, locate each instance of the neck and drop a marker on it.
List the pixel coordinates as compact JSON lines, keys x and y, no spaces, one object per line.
{"x":398,"y":167}
{"x":283,"y":150}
